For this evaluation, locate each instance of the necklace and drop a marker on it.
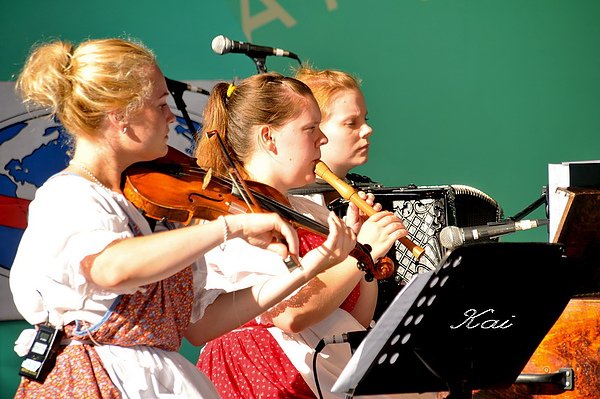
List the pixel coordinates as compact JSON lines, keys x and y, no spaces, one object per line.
{"x":85,"y":170}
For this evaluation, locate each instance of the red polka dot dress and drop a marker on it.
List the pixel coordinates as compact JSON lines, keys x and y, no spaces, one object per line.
{"x":249,"y":362}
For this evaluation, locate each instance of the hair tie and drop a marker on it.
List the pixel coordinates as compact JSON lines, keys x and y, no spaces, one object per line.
{"x":230,"y":89}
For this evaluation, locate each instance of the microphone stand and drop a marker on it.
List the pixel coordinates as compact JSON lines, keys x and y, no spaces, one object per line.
{"x":543,"y":199}
{"x":259,"y":61}
{"x":176,"y":89}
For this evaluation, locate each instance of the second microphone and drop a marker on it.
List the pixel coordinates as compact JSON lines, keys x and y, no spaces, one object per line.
{"x":452,"y":236}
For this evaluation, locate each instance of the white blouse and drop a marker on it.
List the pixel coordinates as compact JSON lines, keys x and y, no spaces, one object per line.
{"x":70,"y":219}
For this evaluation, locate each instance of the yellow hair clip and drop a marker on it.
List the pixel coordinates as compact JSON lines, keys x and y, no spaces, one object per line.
{"x":230,"y":89}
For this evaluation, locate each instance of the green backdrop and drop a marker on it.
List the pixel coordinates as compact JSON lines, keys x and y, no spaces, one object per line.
{"x":477,"y":92}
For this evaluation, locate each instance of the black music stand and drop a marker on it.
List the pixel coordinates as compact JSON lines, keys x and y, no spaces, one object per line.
{"x":472,"y":323}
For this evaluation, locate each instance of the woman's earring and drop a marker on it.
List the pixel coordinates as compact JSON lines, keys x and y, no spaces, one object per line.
{"x":124,"y":131}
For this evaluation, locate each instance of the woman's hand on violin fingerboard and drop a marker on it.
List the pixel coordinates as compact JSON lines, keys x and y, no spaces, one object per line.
{"x":354,"y":216}
{"x":338,"y":245}
{"x":380,"y":231}
{"x":265,"y":230}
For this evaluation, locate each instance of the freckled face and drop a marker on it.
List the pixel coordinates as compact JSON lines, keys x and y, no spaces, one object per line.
{"x":347,"y":131}
{"x":298,"y":147}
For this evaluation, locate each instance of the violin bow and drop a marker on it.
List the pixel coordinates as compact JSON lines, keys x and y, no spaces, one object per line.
{"x":232,"y":170}
{"x":290,"y":262}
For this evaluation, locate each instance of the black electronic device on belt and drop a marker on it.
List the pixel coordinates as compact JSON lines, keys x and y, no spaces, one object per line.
{"x":42,"y":355}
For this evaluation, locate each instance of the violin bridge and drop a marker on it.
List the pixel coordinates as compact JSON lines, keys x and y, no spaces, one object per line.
{"x":207,"y":178}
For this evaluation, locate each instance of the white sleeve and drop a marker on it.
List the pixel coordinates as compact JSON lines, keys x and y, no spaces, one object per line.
{"x":69,"y":219}
{"x":240,"y":265}
{"x":203,"y":296}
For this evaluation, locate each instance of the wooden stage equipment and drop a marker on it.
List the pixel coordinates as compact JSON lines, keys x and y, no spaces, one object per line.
{"x":566,"y":364}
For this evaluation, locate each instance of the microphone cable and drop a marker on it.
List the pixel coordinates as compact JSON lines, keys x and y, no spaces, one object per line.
{"x":318,"y":349}
{"x":353,"y":338}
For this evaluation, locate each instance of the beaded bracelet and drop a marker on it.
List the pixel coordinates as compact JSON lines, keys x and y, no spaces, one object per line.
{"x":225,"y":232}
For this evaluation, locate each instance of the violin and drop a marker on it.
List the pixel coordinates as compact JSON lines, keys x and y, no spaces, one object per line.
{"x":175,"y":189}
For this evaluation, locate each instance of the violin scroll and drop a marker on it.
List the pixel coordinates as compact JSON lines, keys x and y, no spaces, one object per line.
{"x":380,"y":270}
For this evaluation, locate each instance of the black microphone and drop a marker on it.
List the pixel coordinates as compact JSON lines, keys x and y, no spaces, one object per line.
{"x":452,"y":236}
{"x":223,"y":45}
{"x":175,"y":86}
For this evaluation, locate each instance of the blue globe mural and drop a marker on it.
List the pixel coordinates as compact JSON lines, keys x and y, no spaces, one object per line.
{"x":21,"y":175}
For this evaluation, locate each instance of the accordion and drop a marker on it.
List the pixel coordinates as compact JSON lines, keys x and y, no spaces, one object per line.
{"x":425,"y":211}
